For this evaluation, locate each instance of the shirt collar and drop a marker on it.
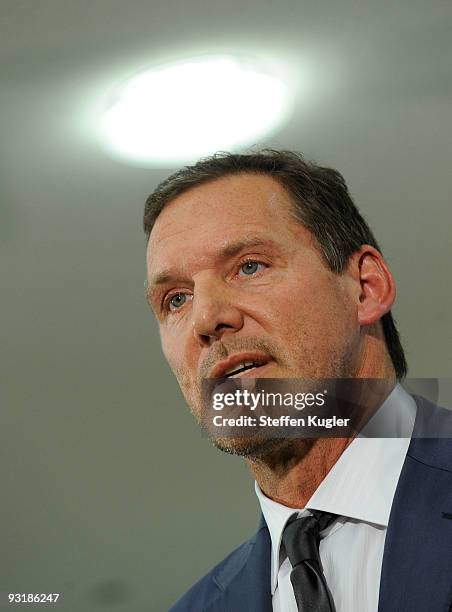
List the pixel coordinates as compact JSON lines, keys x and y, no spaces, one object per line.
{"x":362,"y":483}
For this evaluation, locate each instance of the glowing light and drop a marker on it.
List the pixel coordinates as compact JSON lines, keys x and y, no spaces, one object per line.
{"x":180,"y":112}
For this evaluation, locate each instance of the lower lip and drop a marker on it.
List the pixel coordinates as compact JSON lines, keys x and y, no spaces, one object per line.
{"x":253,"y":372}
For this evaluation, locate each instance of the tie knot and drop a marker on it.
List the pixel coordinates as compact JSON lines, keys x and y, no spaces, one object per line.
{"x":301,"y":536}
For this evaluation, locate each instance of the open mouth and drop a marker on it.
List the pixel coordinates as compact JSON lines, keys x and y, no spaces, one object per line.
{"x":237,"y":370}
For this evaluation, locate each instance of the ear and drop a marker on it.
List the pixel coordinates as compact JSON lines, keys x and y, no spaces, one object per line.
{"x":377,"y":288}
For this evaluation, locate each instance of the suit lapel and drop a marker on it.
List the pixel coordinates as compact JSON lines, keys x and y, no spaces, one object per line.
{"x":249,"y":589}
{"x":417,"y":562}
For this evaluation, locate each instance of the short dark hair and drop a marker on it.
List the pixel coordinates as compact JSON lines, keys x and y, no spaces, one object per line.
{"x":321,"y":203}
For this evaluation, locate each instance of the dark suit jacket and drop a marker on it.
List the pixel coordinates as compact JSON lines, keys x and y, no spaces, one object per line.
{"x":416,"y":574}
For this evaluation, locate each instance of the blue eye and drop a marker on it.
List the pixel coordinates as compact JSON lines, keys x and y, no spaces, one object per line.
{"x":250,"y":267}
{"x":177,"y":301}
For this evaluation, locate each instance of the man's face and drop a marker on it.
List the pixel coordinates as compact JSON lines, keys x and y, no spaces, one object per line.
{"x":234,"y":279}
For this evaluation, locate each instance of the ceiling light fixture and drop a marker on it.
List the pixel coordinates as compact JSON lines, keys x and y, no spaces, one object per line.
{"x":176,"y":113}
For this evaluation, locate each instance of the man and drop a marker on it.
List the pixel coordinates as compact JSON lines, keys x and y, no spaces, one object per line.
{"x":260,"y":265}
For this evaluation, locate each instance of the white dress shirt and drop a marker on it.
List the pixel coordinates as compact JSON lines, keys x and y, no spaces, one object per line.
{"x":359,"y":488}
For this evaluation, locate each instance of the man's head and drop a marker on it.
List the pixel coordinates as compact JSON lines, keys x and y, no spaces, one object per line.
{"x":264,"y":259}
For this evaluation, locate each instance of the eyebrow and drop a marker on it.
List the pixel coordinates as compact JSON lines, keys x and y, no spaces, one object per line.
{"x":230,"y":250}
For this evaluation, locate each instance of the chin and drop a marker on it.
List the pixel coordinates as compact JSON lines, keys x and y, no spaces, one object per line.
{"x":254,"y":448}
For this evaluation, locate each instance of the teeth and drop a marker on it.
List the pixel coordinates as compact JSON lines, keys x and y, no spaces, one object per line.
{"x":239,"y":366}
{"x":239,"y":373}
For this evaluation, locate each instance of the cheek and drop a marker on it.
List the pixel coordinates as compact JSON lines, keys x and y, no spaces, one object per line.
{"x":177,"y":354}
{"x":333,"y":323}
{"x":170,"y":352}
{"x":180,"y":358}
{"x":316,"y":309}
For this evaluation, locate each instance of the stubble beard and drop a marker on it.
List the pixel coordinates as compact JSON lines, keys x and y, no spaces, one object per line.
{"x":271,"y":451}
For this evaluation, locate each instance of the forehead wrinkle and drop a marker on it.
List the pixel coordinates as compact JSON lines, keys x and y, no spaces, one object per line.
{"x":164,"y":237}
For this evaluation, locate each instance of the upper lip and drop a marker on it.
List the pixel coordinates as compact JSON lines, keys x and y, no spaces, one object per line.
{"x":222,"y":367}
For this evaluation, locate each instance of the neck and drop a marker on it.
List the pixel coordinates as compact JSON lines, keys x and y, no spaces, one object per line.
{"x":292,"y":477}
{"x":292,"y":472}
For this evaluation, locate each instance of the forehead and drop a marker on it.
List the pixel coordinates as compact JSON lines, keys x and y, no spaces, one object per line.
{"x":215,"y":213}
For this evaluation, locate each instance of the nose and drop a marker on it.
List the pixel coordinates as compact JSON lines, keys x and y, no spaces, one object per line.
{"x":214,"y":313}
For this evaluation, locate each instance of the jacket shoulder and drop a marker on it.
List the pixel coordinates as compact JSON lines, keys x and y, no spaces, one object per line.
{"x":204,"y":593}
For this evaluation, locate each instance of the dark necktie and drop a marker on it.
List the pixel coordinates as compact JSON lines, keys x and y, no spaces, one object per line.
{"x":301,"y":538}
